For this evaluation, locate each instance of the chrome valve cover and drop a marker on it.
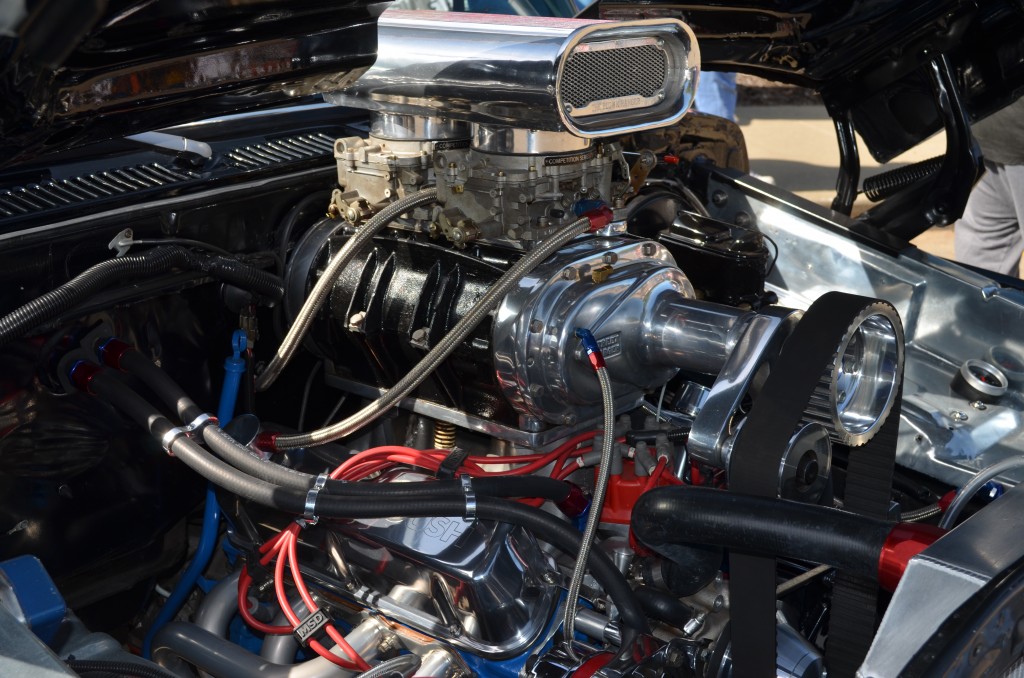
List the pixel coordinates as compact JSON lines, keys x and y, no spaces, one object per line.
{"x":480,"y":585}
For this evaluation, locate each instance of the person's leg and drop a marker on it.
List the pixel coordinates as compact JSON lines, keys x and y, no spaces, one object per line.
{"x":716,"y":94}
{"x":989,"y":234}
{"x":1015,"y":181}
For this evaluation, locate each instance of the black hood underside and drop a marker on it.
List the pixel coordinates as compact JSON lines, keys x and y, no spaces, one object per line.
{"x":76,"y":71}
{"x":867,"y":57}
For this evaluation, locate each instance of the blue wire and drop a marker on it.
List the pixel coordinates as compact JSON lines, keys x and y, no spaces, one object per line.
{"x":234,"y":368}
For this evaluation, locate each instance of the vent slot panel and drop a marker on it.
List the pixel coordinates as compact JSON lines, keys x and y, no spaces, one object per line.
{"x":54,"y":193}
{"x":279,"y":151}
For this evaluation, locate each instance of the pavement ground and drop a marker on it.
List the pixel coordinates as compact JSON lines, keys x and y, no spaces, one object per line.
{"x":796,"y":146}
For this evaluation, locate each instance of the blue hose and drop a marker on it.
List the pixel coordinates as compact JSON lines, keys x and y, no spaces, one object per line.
{"x":234,"y":368}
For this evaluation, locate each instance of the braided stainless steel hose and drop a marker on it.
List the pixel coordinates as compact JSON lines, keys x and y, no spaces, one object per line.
{"x":403,"y":665}
{"x":444,"y":348}
{"x":600,"y":488}
{"x":967,"y":492}
{"x":315,"y":301}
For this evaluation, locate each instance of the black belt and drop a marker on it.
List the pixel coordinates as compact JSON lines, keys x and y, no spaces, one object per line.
{"x":754,"y":467}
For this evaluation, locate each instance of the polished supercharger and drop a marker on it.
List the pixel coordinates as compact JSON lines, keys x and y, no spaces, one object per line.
{"x":522,"y":375}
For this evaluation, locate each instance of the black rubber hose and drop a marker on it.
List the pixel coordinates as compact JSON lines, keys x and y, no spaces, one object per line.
{"x":509,"y":486}
{"x":664,"y":607}
{"x":521,"y":486}
{"x":173,"y":396}
{"x":123,"y":398}
{"x":126,"y":669}
{"x":668,"y":519}
{"x":160,"y":383}
{"x":385,"y":501}
{"x":223,"y":445}
{"x":266,"y":285}
{"x":109,"y":386}
{"x":104,"y":274}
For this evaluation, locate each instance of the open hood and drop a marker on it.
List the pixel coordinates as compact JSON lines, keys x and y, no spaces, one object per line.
{"x":866,"y":57}
{"x":82,"y":70}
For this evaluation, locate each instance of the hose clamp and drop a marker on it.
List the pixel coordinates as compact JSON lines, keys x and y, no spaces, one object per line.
{"x":470,"y":495}
{"x":199,"y":422}
{"x":190,"y":430}
{"x":168,"y":439}
{"x":309,"y":517}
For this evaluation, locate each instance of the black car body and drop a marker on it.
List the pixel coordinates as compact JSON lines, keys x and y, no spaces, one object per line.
{"x":796,"y":392}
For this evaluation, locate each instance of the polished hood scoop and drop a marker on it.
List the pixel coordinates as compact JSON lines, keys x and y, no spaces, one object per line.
{"x":589,"y":78}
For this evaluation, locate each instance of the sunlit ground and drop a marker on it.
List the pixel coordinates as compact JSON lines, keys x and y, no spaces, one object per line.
{"x":796,"y":145}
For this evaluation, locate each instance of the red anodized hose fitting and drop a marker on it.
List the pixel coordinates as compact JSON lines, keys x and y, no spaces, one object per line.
{"x":905,"y":541}
{"x":82,"y":374}
{"x":112,"y":351}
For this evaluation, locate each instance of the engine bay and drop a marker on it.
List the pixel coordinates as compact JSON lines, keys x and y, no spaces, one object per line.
{"x":485,"y":367}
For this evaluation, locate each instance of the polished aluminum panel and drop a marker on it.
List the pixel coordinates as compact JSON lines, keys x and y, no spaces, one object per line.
{"x":950,"y":315}
{"x":590,"y":78}
{"x":957,"y":565}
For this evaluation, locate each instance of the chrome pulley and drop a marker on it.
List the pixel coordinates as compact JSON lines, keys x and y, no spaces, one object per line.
{"x":858,"y":388}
